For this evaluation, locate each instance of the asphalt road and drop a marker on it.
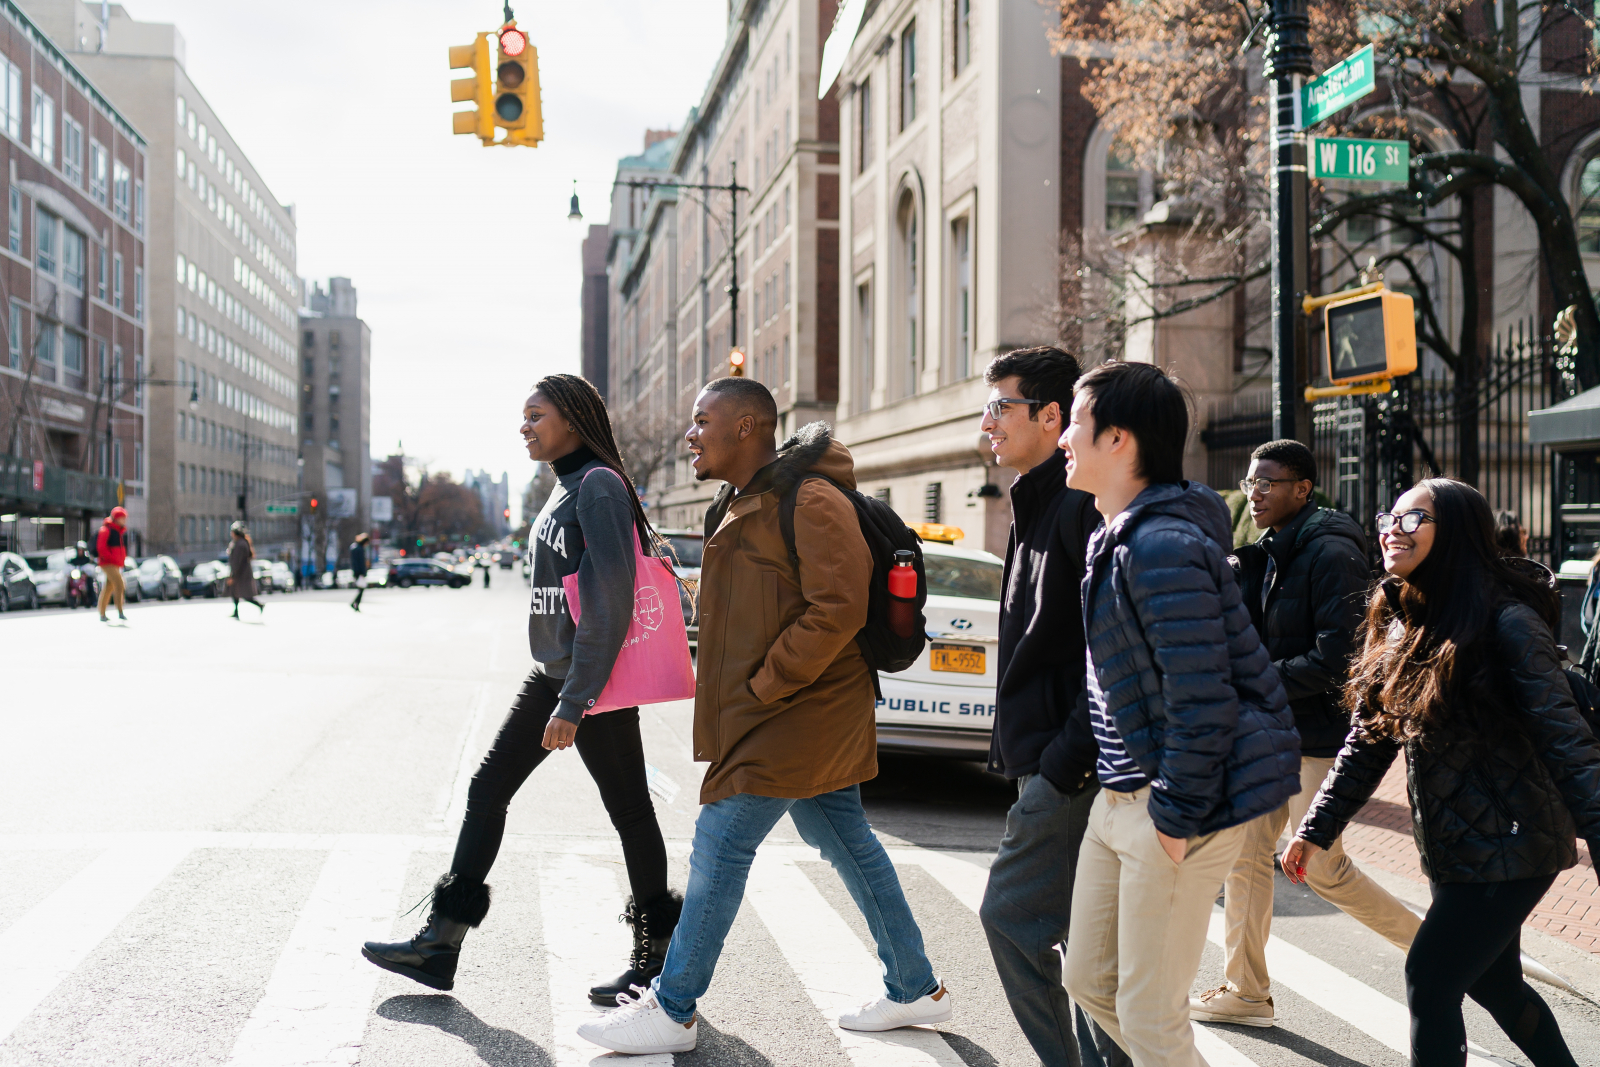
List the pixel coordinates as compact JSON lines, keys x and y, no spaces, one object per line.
{"x":201,"y":819}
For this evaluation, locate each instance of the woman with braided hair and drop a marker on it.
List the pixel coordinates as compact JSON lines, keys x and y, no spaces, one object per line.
{"x":588,"y":528}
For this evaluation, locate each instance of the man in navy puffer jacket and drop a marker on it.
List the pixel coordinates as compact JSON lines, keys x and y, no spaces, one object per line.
{"x":1194,"y":729}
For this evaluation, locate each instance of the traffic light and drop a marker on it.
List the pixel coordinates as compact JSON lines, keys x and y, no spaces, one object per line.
{"x":1369,"y":337}
{"x":313,"y":505}
{"x":516,"y":88}
{"x":507,"y":513}
{"x":478,"y":89}
{"x":736,"y":363}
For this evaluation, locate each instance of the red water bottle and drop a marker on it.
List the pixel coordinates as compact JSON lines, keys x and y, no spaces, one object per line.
{"x":903,"y":594}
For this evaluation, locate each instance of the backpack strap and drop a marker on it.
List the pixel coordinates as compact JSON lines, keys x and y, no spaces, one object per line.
{"x":786,"y":505}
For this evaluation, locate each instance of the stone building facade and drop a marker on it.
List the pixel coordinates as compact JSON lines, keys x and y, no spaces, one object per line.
{"x":335,"y":420}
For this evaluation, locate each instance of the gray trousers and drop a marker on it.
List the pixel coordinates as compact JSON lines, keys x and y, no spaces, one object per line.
{"x":1025,"y":913}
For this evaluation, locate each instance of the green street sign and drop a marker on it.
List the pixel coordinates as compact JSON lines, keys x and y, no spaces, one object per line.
{"x":1367,"y":161}
{"x":283,"y":509}
{"x":1339,"y":86}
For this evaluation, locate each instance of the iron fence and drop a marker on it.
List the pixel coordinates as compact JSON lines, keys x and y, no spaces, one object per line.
{"x":1370,"y":449}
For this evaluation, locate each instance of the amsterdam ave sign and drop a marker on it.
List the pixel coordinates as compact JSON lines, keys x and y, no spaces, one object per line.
{"x":1339,"y":86}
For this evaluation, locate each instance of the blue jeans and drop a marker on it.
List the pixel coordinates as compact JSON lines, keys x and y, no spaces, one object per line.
{"x":725,"y":838}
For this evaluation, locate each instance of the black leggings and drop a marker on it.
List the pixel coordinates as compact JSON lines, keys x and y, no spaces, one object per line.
{"x":1470,"y":944}
{"x":612,"y":750}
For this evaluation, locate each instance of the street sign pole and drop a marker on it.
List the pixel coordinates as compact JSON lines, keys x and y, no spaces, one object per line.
{"x":1288,"y":65}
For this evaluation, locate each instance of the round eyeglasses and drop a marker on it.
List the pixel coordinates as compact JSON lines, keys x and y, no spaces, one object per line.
{"x":1409,"y":522}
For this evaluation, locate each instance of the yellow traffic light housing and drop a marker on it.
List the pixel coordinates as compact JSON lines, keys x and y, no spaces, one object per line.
{"x":736,"y":363}
{"x":1369,"y":337}
{"x":516,"y":88}
{"x":478,"y":89}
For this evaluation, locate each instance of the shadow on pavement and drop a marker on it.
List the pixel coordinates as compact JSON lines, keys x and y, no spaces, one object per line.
{"x":724,"y":1050}
{"x":973,"y":1055}
{"x":1299,"y":1045}
{"x":496,"y":1046}
{"x":938,"y":803}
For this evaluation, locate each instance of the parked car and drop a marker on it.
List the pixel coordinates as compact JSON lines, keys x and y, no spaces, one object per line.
{"x":50,"y":574}
{"x":132,"y":591}
{"x":261,"y":569}
{"x":378,"y":576}
{"x":943,"y":704}
{"x":208,"y":578}
{"x":282,"y":577}
{"x":159,"y":577}
{"x":17,"y":589}
{"x":408,"y":572}
{"x":687,"y":548}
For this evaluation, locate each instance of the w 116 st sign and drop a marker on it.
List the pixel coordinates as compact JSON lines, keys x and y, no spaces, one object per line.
{"x":1350,"y":158}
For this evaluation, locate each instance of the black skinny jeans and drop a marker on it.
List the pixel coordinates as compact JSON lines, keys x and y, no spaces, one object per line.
{"x":1470,"y":945}
{"x":612,"y":750}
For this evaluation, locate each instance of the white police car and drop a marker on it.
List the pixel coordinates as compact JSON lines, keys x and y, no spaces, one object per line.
{"x":943,"y":704}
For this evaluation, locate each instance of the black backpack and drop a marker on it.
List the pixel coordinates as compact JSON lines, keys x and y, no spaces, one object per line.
{"x":1587,"y":697}
{"x":885,"y":533}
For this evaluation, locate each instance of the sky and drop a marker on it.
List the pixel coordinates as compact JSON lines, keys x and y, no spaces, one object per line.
{"x":466,"y":266}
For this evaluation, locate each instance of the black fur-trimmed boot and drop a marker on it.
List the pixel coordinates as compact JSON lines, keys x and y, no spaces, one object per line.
{"x":652,"y":926}
{"x":431,"y":956}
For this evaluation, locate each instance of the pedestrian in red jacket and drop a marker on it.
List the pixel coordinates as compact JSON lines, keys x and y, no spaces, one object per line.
{"x":111,"y":552}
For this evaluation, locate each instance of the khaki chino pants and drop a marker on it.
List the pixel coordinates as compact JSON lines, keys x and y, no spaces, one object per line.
{"x":1139,"y":926}
{"x":1331,"y":874}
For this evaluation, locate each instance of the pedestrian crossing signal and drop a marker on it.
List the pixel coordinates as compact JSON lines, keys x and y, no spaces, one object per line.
{"x":1369,"y":337}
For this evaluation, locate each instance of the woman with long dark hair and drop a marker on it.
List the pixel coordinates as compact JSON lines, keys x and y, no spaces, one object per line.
{"x":590,"y":526}
{"x":241,"y":569}
{"x":1459,"y":671}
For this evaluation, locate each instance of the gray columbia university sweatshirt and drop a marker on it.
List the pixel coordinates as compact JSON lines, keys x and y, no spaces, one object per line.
{"x":586,"y":528}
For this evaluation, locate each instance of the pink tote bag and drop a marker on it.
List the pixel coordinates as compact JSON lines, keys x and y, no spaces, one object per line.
{"x":654,"y":664}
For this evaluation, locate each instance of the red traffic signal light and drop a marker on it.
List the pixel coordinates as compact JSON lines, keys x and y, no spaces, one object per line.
{"x":313,"y":503}
{"x":507,"y":513}
{"x":736,"y":363}
{"x":513,"y":41}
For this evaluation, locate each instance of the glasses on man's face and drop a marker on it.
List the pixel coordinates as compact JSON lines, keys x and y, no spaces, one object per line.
{"x":1408,"y":523}
{"x":996,"y":407}
{"x":1261,"y":485}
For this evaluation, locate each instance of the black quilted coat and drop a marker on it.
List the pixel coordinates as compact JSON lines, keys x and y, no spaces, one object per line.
{"x":1510,"y":813}
{"x":1184,"y":676}
{"x":1313,"y":608}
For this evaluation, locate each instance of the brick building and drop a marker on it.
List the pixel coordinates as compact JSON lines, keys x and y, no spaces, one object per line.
{"x":73,"y":407}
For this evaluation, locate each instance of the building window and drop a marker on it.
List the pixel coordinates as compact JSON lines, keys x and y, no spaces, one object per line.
{"x":116,"y":459}
{"x":45,"y":349}
{"x":73,"y":245}
{"x":138,"y":378}
{"x":961,"y":302}
{"x":138,"y":293}
{"x":121,"y":188}
{"x":786,"y":283}
{"x":883,"y":494}
{"x":72,"y":150}
{"x":138,"y":462}
{"x":72,"y":353}
{"x":44,"y":126}
{"x":864,"y":350}
{"x":1588,"y":207}
{"x":98,"y":174}
{"x":100,"y":272}
{"x":963,"y":35}
{"x":933,"y":502}
{"x":908,"y":75}
{"x":16,"y":220}
{"x":864,"y":125}
{"x":11,"y":100}
{"x":14,"y":335}
{"x":910,"y":286}
{"x":116,"y":287}
{"x":44,"y":224}
{"x":1122,"y":189}
{"x":138,"y":207}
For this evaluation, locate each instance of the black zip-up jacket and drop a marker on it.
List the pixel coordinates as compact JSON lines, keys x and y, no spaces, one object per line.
{"x":1041,"y":720}
{"x":1313,"y":609}
{"x":1511,"y":813}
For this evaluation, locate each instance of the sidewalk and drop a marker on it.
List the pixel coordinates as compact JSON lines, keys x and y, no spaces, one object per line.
{"x":1381,"y":836}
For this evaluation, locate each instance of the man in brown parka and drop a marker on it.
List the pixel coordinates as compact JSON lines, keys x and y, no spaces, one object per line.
{"x":783,"y":714}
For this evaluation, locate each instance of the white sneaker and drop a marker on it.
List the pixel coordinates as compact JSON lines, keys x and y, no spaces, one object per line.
{"x":640,"y":1027}
{"x":885,"y":1014}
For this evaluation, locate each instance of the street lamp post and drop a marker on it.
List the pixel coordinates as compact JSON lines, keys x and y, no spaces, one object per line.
{"x":1288,"y":55}
{"x":733,"y":189}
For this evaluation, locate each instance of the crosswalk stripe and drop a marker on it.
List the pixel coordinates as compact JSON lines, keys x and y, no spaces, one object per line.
{"x":1381,"y":1018}
{"x":967,"y":881}
{"x":580,"y":903}
{"x":836,"y":969}
{"x":315,"y":1008}
{"x":52,"y":938}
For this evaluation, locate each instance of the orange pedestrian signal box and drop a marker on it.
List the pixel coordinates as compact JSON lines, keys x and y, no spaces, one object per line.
{"x":1369,"y":337}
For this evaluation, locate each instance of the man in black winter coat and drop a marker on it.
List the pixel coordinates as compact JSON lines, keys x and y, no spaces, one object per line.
{"x":1305,"y":583}
{"x":1042,"y":739}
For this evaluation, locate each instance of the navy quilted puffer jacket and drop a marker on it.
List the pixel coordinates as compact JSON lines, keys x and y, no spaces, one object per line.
{"x":1184,"y":676}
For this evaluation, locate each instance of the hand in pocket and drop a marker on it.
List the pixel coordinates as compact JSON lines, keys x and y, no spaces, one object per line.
{"x":1176,"y":848}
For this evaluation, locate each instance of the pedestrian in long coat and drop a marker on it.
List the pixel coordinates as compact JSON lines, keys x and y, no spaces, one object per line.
{"x":242,"y":580}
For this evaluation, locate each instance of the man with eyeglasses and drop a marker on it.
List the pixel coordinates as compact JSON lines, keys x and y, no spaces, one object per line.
{"x":1305,"y":582}
{"x":1042,"y":738}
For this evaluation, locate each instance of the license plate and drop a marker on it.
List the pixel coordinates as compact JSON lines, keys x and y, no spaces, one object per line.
{"x":963,"y":659}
